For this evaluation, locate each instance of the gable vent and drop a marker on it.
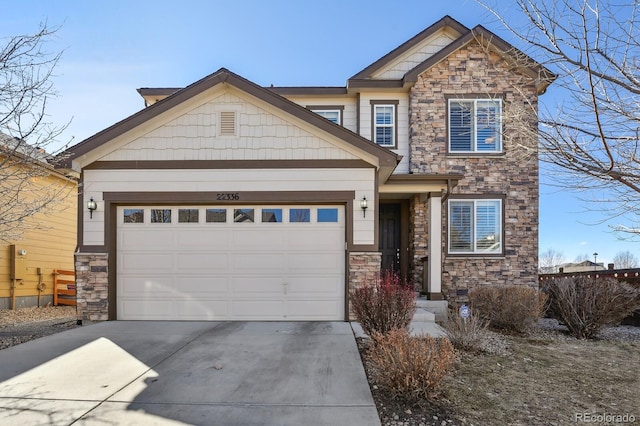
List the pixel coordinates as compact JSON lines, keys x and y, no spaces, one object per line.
{"x":227,"y":123}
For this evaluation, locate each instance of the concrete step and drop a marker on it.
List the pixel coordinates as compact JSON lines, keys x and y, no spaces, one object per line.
{"x":438,"y":307}
{"x":422,"y":315}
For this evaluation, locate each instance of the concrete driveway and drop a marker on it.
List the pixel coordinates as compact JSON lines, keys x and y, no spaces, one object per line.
{"x":206,"y":373}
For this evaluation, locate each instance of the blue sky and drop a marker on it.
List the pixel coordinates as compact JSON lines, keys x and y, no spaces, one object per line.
{"x":112,"y":48}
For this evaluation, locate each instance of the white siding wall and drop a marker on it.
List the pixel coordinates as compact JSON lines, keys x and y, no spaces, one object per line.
{"x":403,"y":122}
{"x":349,"y":120}
{"x":360,"y":180}
{"x":413,"y":57}
{"x":262,"y":136}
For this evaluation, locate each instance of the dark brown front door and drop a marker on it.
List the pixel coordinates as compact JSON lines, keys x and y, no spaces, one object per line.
{"x":390,"y":236}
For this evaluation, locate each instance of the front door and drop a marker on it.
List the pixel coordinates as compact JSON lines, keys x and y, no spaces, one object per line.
{"x":390,"y":236}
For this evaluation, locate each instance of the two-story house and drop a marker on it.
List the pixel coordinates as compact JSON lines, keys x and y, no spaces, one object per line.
{"x":229,"y":200}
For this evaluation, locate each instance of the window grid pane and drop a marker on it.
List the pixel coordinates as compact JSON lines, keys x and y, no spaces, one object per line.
{"x":331,"y":115}
{"x":328,"y":215}
{"x":475,"y":226}
{"x":160,"y":215}
{"x":475,"y":126}
{"x":460,"y":226}
{"x":243,"y":215}
{"x":299,"y":215}
{"x":133,"y":216}
{"x":272,"y":215}
{"x":384,"y":125}
{"x":188,"y":215}
{"x":461,"y":126}
{"x":216,"y":216}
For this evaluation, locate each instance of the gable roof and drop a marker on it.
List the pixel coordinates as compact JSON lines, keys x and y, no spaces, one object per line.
{"x":445,"y":22}
{"x":542,"y":76}
{"x":385,"y":156}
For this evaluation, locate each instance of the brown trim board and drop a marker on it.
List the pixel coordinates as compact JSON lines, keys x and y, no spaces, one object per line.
{"x":227,"y":164}
{"x":114,"y":199}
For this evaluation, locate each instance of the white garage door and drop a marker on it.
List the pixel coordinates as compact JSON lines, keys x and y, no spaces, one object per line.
{"x":230,"y":263}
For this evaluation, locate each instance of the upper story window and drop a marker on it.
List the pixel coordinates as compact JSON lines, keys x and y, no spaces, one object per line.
{"x":475,"y":226}
{"x":384,"y":123}
{"x":330,"y":112}
{"x":475,"y":125}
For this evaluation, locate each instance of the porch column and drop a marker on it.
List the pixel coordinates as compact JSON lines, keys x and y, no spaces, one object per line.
{"x":434,"y":246}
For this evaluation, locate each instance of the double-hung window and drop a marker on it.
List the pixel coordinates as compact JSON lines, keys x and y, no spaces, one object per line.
{"x":475,"y":226}
{"x":475,"y":125}
{"x":384,"y":126}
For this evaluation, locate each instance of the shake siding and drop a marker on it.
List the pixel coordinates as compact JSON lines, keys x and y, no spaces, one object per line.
{"x":262,"y":136}
{"x":403,"y":122}
{"x":414,"y":57}
{"x":48,"y":248}
{"x":360,"y":180}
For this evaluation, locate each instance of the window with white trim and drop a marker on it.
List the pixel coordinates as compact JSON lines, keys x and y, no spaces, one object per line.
{"x":332,"y":115}
{"x":475,"y":125}
{"x":384,"y":124}
{"x":475,"y":226}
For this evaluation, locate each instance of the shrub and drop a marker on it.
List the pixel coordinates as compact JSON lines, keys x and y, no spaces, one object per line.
{"x":585,"y":305}
{"x":466,"y":334}
{"x":384,"y":305}
{"x":511,"y":308}
{"x":410,"y":368}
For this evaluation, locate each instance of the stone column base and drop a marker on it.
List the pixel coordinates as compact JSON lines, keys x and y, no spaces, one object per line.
{"x":92,"y":286}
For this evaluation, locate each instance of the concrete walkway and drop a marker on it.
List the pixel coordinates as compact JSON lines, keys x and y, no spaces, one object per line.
{"x":220,"y":373}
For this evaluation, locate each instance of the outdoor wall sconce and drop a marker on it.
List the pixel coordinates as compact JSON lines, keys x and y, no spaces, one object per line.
{"x":364,"y":206}
{"x":91,"y":205}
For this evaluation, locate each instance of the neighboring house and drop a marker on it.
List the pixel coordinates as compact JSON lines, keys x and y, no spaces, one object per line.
{"x":228,"y":200}
{"x":27,"y":259}
{"x":584,"y":266}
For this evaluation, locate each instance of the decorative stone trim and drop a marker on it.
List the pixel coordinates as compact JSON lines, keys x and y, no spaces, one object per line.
{"x":92,"y":286}
{"x":364,"y":267}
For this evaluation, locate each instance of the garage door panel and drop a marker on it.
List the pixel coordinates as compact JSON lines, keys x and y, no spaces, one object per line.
{"x":201,"y":285}
{"x":255,"y":237}
{"x":140,"y":286}
{"x":258,"y":262}
{"x":199,"y":237}
{"x":145,"y":262}
{"x":257,"y":309}
{"x":256,"y":286}
{"x":315,"y":286}
{"x":201,"y":261}
{"x":144,"y":309}
{"x":144,"y":239}
{"x":315,"y":239}
{"x":314,"y":262}
{"x":231,"y":271}
{"x":323,"y":309}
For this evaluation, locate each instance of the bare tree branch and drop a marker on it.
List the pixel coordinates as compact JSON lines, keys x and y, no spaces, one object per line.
{"x":591,"y":137}
{"x":26,"y":170}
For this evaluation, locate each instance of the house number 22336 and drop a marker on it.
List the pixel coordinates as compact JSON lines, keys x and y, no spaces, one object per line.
{"x":227,"y":196}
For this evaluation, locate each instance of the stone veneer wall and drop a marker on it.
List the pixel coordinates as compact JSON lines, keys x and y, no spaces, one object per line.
{"x":92,"y":286}
{"x":513,"y":173}
{"x":364,"y":267}
{"x":418,"y":236}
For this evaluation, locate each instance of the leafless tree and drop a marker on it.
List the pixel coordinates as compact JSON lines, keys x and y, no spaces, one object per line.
{"x":582,"y":257}
{"x":26,"y":71}
{"x":625,"y":260}
{"x":550,"y":260}
{"x":591,"y":136}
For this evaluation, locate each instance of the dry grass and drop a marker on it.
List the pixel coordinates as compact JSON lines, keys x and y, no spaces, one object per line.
{"x":546,"y":381}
